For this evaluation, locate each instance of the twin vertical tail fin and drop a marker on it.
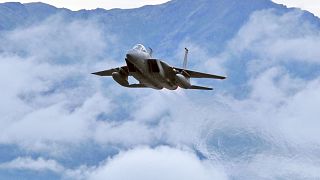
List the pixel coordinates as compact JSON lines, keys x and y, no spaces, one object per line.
{"x":185,"y":61}
{"x":187,"y":75}
{"x":150,"y":51}
{"x":184,"y":65}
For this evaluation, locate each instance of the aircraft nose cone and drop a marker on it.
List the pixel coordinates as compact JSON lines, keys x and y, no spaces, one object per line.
{"x":130,"y":56}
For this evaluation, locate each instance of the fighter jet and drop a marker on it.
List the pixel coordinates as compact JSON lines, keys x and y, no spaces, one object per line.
{"x":154,"y":73}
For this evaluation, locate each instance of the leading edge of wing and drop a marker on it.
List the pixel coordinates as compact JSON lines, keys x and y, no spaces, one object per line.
{"x":195,"y":74}
{"x":109,"y":71}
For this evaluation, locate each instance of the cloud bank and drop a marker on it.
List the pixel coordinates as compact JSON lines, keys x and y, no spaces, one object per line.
{"x":160,"y":163}
{"x":51,"y":107}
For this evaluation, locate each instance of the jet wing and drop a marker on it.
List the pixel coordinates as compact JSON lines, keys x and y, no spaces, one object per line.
{"x":110,"y":71}
{"x":195,"y":74}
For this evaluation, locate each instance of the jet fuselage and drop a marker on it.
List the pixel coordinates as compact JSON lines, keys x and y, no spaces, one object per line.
{"x":150,"y":72}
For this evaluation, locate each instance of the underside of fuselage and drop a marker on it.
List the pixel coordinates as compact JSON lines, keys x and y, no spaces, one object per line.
{"x":150,"y":72}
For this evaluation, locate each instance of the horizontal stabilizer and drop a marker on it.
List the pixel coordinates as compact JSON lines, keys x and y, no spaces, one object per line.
{"x":200,"y":88}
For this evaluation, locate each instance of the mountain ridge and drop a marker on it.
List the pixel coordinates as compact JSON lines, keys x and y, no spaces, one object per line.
{"x":208,"y":23}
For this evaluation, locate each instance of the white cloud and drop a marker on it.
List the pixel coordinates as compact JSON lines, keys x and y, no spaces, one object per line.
{"x":59,"y":40}
{"x":139,"y":163}
{"x":27,"y":163}
{"x":300,"y":115}
{"x":41,"y":165}
{"x":125,"y":134}
{"x":45,"y":124}
{"x":273,"y":167}
{"x":278,"y":38}
{"x":50,"y":96}
{"x":160,"y":163}
{"x":309,"y":5}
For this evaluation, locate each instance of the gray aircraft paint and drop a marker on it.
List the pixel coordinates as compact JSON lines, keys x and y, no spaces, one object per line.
{"x":154,"y":73}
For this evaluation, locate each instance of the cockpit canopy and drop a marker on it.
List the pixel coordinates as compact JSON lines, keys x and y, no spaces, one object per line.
{"x":140,"y":47}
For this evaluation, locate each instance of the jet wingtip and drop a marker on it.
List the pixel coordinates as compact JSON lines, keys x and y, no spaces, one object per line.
{"x":222,"y":77}
{"x":96,"y":73}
